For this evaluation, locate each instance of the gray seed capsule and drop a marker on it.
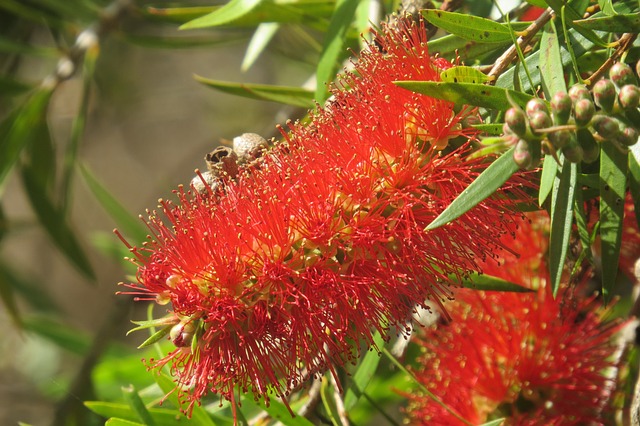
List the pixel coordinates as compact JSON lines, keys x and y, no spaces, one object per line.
{"x":249,"y":146}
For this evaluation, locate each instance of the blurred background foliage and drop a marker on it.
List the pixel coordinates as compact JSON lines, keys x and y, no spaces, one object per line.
{"x":105,"y":107}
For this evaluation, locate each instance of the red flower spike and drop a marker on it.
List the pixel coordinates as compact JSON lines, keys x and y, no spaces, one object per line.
{"x":528,"y":357}
{"x":304,"y":257}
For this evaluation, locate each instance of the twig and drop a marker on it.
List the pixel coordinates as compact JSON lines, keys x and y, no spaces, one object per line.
{"x":624,"y":44}
{"x":342,"y":412}
{"x":523,"y":41}
{"x":88,"y":39}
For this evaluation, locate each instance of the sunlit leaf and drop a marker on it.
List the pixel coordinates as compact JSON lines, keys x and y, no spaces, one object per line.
{"x":334,"y":45}
{"x":277,"y":411}
{"x":468,"y":26}
{"x":137,"y":406}
{"x":468,"y":93}
{"x":462,"y":74}
{"x":490,"y":283}
{"x":261,"y":38}
{"x":199,"y":414}
{"x":634,"y":178}
{"x":363,"y":374}
{"x":130,"y":225}
{"x":612,"y":24}
{"x":161,"y":416}
{"x":551,"y":70}
{"x":121,"y":422}
{"x":562,"y":202}
{"x":606,"y":6}
{"x":228,"y":13}
{"x":286,"y":95}
{"x":613,"y":181}
{"x":548,"y":176}
{"x":16,"y":131}
{"x":327,"y":393}
{"x":486,"y":184}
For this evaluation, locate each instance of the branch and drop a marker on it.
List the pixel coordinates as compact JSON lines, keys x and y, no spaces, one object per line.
{"x":624,"y":44}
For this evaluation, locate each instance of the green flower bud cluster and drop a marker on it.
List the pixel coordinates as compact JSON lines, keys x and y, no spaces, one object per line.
{"x":577,"y":122}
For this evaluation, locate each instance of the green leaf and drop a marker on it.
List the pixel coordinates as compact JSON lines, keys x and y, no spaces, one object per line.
{"x":496,"y":422}
{"x":230,"y":12}
{"x":35,"y":295}
{"x":161,"y":416}
{"x":363,"y":374}
{"x":131,"y":226}
{"x":16,"y":131}
{"x":613,"y":181}
{"x":327,"y":393}
{"x":137,"y":406}
{"x":62,"y":335}
{"x":156,"y":337}
{"x":562,"y":202}
{"x":486,"y":184}
{"x":286,"y":95}
{"x":277,"y":411}
{"x":121,"y":422}
{"x":199,"y":414}
{"x":552,"y":73}
{"x":462,"y":74}
{"x":182,"y":42}
{"x":571,"y":14}
{"x":261,"y":38}
{"x":469,"y":27}
{"x":8,"y":299}
{"x":11,"y":87}
{"x":468,"y":93}
{"x":606,"y":6}
{"x":612,"y":24}
{"x":333,"y":46}
{"x":549,"y":171}
{"x":54,"y":222}
{"x":634,"y":179}
{"x":490,"y":283}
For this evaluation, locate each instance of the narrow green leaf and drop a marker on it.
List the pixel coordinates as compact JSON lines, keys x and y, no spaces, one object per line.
{"x":606,"y":6}
{"x":363,"y":374}
{"x":29,"y":291}
{"x":8,"y":300}
{"x":582,"y":225}
{"x":261,"y":38}
{"x":12,"y":87}
{"x":612,"y":24}
{"x":56,"y":225}
{"x":551,"y":71}
{"x":144,"y":324}
{"x":491,"y":283}
{"x":468,"y":93}
{"x":182,"y":42}
{"x":333,"y":46}
{"x":286,"y":95}
{"x":62,"y":335}
{"x":228,"y":13}
{"x":462,"y":74}
{"x":562,"y":202}
{"x":327,"y":393}
{"x":161,"y":416}
{"x":137,"y":406}
{"x":199,"y":415}
{"x":572,"y":15}
{"x":613,"y":181}
{"x":634,"y":179}
{"x":16,"y":130}
{"x":549,"y":171}
{"x":486,"y":184}
{"x":121,"y":422}
{"x":277,"y":411}
{"x":130,"y":225}
{"x":468,"y":27}
{"x":156,"y":337}
{"x":496,"y":422}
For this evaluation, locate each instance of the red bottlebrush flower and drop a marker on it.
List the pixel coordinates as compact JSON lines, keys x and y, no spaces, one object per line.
{"x":528,"y":357}
{"x":282,"y":274}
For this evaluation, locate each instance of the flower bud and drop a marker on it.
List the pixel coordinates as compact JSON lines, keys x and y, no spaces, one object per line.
{"x":539,"y":120}
{"x":182,"y":333}
{"x":561,"y":107}
{"x":573,"y":151}
{"x":607,"y":127}
{"x":583,"y":112}
{"x":622,"y":74}
{"x":589,"y":145}
{"x":248,"y":147}
{"x":629,"y":97}
{"x":522,"y":155}
{"x":559,"y":138}
{"x":534,"y":105}
{"x":579,"y":91}
{"x":604,"y":94}
{"x":628,"y":136}
{"x":516,"y":121}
